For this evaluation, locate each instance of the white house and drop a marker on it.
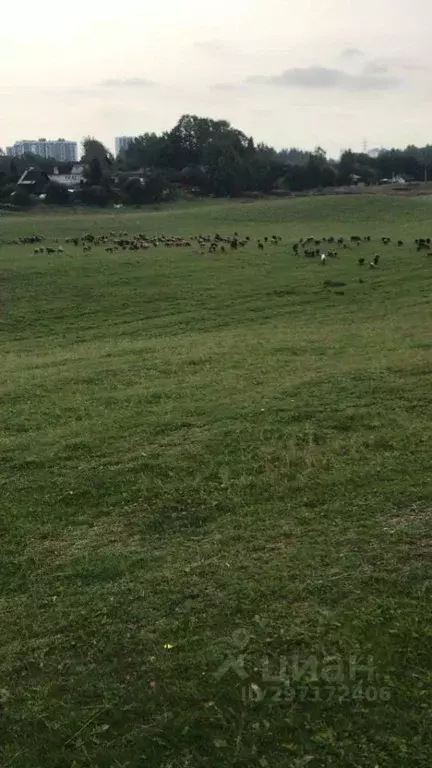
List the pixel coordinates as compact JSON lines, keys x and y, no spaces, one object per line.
{"x":69,"y":180}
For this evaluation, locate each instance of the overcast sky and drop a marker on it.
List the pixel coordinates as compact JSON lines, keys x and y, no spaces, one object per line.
{"x":291,"y":73}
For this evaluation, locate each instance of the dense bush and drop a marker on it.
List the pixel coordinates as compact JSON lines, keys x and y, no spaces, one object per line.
{"x":57,"y":194}
{"x":22,"y":199}
{"x":93,"y":195}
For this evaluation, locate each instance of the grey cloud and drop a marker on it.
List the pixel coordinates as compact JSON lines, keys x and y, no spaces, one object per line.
{"x":128,"y":82}
{"x":325,"y":78}
{"x":351,"y":53}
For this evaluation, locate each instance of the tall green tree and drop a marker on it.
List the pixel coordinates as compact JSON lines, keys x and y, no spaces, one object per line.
{"x":227,"y":173}
{"x":14,"y":173}
{"x":95,"y":150}
{"x":196,"y":140}
{"x":93,"y":172}
{"x":293,"y":156}
{"x":146,"y":151}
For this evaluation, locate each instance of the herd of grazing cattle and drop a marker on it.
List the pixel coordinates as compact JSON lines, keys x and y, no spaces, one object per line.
{"x":322,"y":248}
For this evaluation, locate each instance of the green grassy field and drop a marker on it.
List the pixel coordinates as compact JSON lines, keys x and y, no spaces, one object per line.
{"x":216,"y":489}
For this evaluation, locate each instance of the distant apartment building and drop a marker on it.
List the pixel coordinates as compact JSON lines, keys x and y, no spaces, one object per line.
{"x":60,"y":150}
{"x":122,"y":142}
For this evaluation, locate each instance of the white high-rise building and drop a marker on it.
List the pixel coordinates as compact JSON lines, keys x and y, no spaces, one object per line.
{"x":122,"y":142}
{"x":60,"y":150}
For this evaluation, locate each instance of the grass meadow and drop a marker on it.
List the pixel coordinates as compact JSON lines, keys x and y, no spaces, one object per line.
{"x":215,"y":485}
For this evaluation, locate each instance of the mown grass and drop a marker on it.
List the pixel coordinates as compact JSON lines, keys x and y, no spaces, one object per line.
{"x":208,"y":459}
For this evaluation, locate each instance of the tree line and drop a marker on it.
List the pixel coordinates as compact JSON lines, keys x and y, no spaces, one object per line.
{"x":206,"y":157}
